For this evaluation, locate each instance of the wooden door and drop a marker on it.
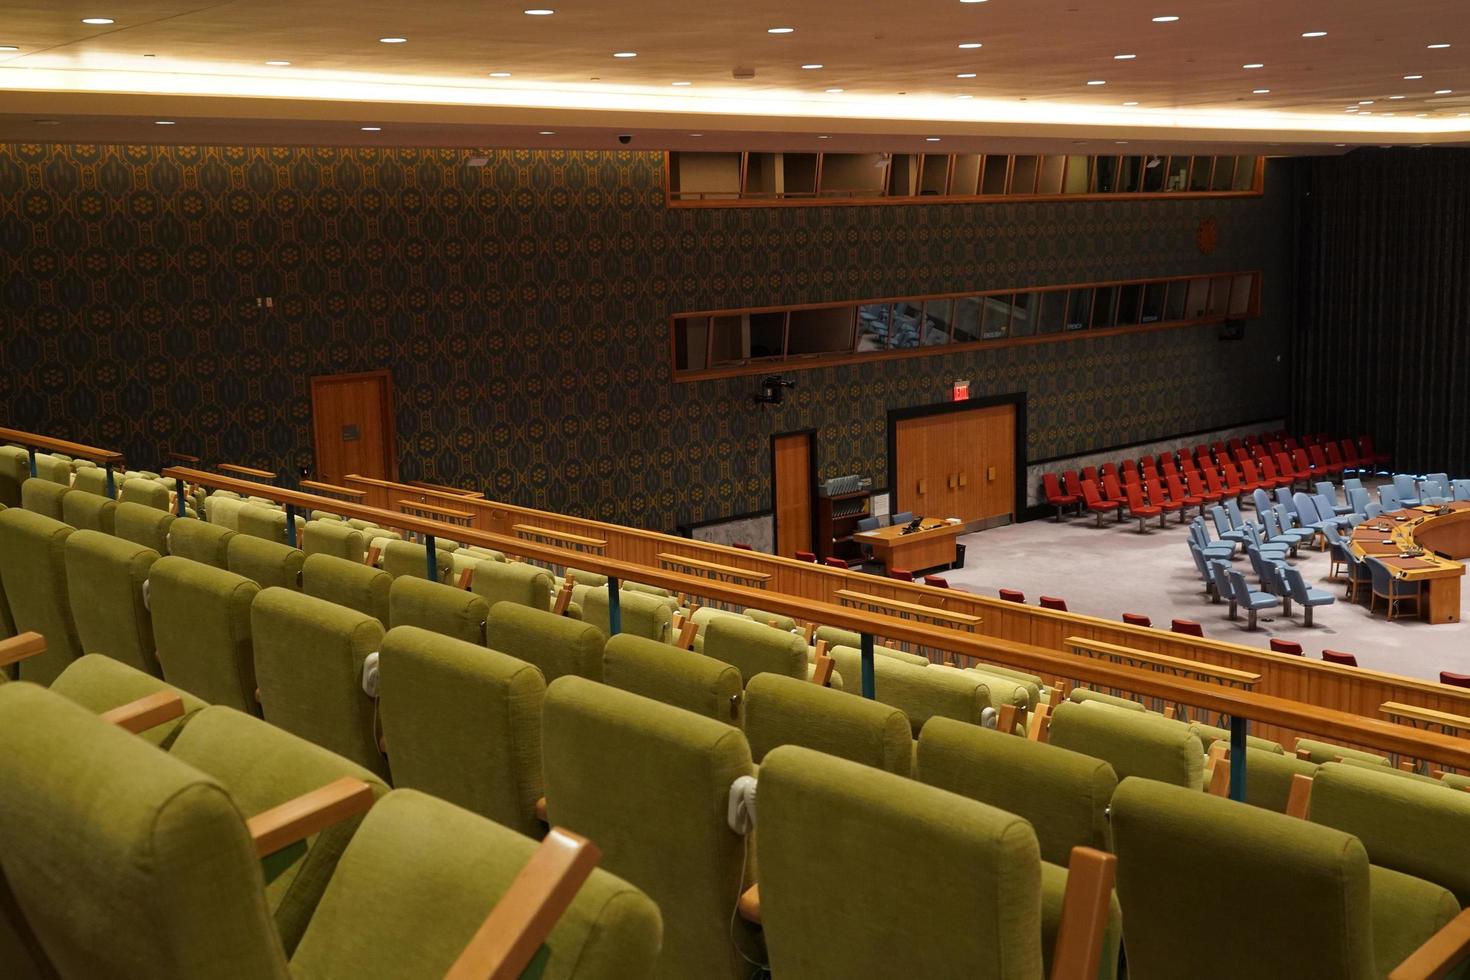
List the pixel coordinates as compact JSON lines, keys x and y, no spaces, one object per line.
{"x":793,"y":474}
{"x":352,"y":416}
{"x":957,"y":464}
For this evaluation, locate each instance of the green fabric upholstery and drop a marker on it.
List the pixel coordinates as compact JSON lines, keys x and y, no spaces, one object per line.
{"x":1455,"y":781}
{"x":347,"y":583}
{"x":777,"y":620}
{"x":53,"y":469}
{"x":1268,"y":777}
{"x":1030,"y":680}
{"x":518,"y":582}
{"x":262,"y":767}
{"x":1324,"y":752}
{"x":582,"y":577}
{"x":1008,"y":689}
{"x":1412,"y":827}
{"x":1134,"y":743}
{"x":89,"y":512}
{"x":1080,"y":694}
{"x":1064,"y":794}
{"x":664,"y":828}
{"x":407,"y":559}
{"x":33,"y":574}
{"x":144,"y":525}
{"x":361,"y":525}
{"x":266,"y":523}
{"x":463,"y":723}
{"x":752,"y":648}
{"x":653,"y":590}
{"x":197,"y":540}
{"x":919,"y":692}
{"x":440,"y":608}
{"x":15,"y":469}
{"x":44,"y":497}
{"x":266,"y":563}
{"x":308,"y":663}
{"x":413,"y":852}
{"x":201,"y":623}
{"x":167,"y":886}
{"x":1209,"y":735}
{"x":847,"y":638}
{"x":838,"y":896}
{"x":1300,"y":895}
{"x":1390,"y":771}
{"x":7,"y":621}
{"x":100,"y":683}
{"x":556,"y":645}
{"x":786,"y":711}
{"x":105,"y":577}
{"x":475,"y":551}
{"x":642,"y":614}
{"x":1053,"y":896}
{"x":677,"y":677}
{"x":325,"y":515}
{"x":1406,"y":911}
{"x":92,"y":479}
{"x":702,"y":617}
{"x":149,"y":493}
{"x":224,"y":510}
{"x":333,"y":538}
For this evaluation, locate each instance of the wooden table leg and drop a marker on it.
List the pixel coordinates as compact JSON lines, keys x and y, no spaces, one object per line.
{"x":1443,"y":599}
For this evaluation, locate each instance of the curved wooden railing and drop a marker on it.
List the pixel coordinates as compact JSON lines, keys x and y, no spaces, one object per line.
{"x":77,"y":450}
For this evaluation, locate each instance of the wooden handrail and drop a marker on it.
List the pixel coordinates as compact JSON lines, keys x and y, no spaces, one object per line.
{"x":75,"y":449}
{"x":309,"y":813}
{"x":1440,"y":954}
{"x":1244,"y":678}
{"x":331,"y":488}
{"x":246,"y":471}
{"x":22,"y":647}
{"x":546,"y":532}
{"x":707,"y":566}
{"x":147,"y":712}
{"x":462,"y":515}
{"x":1326,"y":723}
{"x":1393,"y":709}
{"x":933,"y":612}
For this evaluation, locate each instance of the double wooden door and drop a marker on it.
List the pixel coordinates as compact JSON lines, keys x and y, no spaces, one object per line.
{"x":957,"y":464}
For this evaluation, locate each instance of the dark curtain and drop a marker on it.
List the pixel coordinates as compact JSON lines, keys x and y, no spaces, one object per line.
{"x":1382,"y":340}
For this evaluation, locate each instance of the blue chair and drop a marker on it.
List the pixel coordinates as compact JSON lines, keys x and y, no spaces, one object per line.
{"x":1268,"y":571}
{"x":1271,"y":549}
{"x":1232,"y":507}
{"x":1433,"y":492}
{"x":867,"y":524}
{"x":1285,"y":499}
{"x":1359,"y":500}
{"x":1242,"y":594}
{"x":1277,"y":531}
{"x":1373,"y":510}
{"x":1262,"y":500}
{"x":1337,"y":550}
{"x":1460,"y":489}
{"x":1393,"y":590}
{"x":1202,"y":565}
{"x":1388,"y":498}
{"x":1359,"y":576}
{"x":1328,"y":495}
{"x":1443,"y":479}
{"x":1350,"y":484}
{"x":1222,"y":525}
{"x":1224,"y":585}
{"x":1328,"y":512}
{"x":903,"y":518}
{"x":1403,"y":485}
{"x":1308,"y":599}
{"x":1200,"y":537}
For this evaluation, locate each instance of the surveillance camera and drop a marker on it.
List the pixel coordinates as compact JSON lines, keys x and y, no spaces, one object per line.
{"x":625,"y":138}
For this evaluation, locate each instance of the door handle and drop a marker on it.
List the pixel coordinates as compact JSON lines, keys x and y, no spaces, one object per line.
{"x":953,"y":477}
{"x":964,"y":479}
{"x":923,"y":487}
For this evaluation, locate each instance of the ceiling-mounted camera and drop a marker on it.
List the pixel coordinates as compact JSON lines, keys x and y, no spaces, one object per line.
{"x":771,"y":388}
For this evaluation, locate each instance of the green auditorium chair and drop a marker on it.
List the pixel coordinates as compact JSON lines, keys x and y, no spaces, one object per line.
{"x":777,"y":620}
{"x":222,"y":509}
{"x":361,"y":525}
{"x":268,"y":564}
{"x":556,"y":645}
{"x":847,"y":638}
{"x":33,"y":574}
{"x":677,"y":677}
{"x":149,"y":493}
{"x":309,"y":657}
{"x":463,"y":723}
{"x":100,"y":684}
{"x":89,"y":512}
{"x":701,"y":618}
{"x":1302,"y":898}
{"x":325,"y":515}
{"x":266,"y":523}
{"x":201,"y":623}
{"x":53,"y":469}
{"x":406,"y":559}
{"x":783,"y":710}
{"x":440,"y":608}
{"x":1002,"y":682}
{"x":93,"y":480}
{"x":1080,"y":694}
{"x":7,"y":620}
{"x":1133,"y":743}
{"x":752,"y":648}
{"x":15,"y":469}
{"x":107,"y":583}
{"x":837,"y":896}
{"x":1269,"y":776}
{"x":923,"y":692}
{"x":197,"y":540}
{"x":1324,"y":752}
{"x":347,"y":583}
{"x":653,"y":590}
{"x":333,"y":538}
{"x":650,"y":783}
{"x":1209,"y":735}
{"x":144,"y":525}
{"x":642,"y":614}
{"x":1039,"y":690}
{"x":519,"y":582}
{"x":44,"y":497}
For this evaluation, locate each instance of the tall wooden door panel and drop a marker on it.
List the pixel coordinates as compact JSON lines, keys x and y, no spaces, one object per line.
{"x":957,"y":464}
{"x":352,"y":415}
{"x":792,"y":475}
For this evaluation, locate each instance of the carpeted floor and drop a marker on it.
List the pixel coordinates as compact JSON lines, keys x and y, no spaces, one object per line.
{"x":1111,"y":570}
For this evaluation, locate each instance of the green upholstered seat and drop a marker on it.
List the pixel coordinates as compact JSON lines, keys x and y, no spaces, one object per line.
{"x":677,"y":677}
{"x":262,"y":767}
{"x":653,"y":590}
{"x":360,"y":524}
{"x":149,"y":493}
{"x":7,"y":621}
{"x":45,"y":498}
{"x":650,"y":784}
{"x":583,"y":577}
{"x":223,"y":509}
{"x":100,"y":683}
{"x":266,"y":563}
{"x":484,"y":554}
{"x":1030,"y":680}
{"x":837,"y":637}
{"x":463,"y":723}
{"x":347,"y":583}
{"x":197,"y":540}
{"x":1209,"y":735}
{"x":1417,"y":777}
{"x":1000,"y":684}
{"x":92,"y":480}
{"x":53,"y":468}
{"x":702,"y":617}
{"x":308,"y":663}
{"x":919,"y":692}
{"x":144,"y":525}
{"x":425,"y":873}
{"x":519,"y":582}
{"x":201,"y":623}
{"x":89,"y":512}
{"x":1301,"y":896}
{"x":267,"y":523}
{"x":1081,"y":694}
{"x":777,"y":620}
{"x":407,"y":559}
{"x":556,"y":645}
{"x":1268,"y":777}
{"x":325,"y":515}
{"x":642,"y":614}
{"x":1324,"y":752}
{"x":753,"y":649}
{"x":333,"y":538}
{"x":106,"y":579}
{"x":441,"y":608}
{"x":15,"y":469}
{"x":783,"y":710}
{"x":33,"y":573}
{"x":1133,"y":743}
{"x":1063,"y":794}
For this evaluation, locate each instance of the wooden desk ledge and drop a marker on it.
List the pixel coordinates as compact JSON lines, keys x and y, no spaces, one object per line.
{"x":22,"y":647}
{"x":527,"y":530}
{"x":308,"y":814}
{"x":935,"y":612}
{"x":707,"y":566}
{"x":1394,"y":709}
{"x":332,"y":488}
{"x":246,"y":471}
{"x":462,"y":515}
{"x":146,"y":712}
{"x":1077,"y":644}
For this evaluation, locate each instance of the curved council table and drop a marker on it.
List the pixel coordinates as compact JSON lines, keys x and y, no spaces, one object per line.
{"x":1444,"y":538}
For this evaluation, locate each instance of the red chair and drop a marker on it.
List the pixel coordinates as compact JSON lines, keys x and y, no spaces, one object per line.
{"x":1137,"y":508}
{"x":1454,"y":680}
{"x":1052,"y":602}
{"x":1338,"y":657}
{"x":902,"y":574}
{"x":836,"y":562}
{"x":1350,"y":456}
{"x":1130,"y":476}
{"x":1137,"y":619}
{"x":1286,"y":646}
{"x":1334,"y":459}
{"x":1202,"y":455}
{"x":1011,"y":595}
{"x":1188,"y":627}
{"x":1056,"y":496}
{"x":1097,"y":504}
{"x":1177,"y":492}
{"x":1252,"y":475}
{"x":1198,"y":489}
{"x":1150,"y":471}
{"x":1089,"y":473}
{"x":1303,"y":464}
{"x":1241,"y":454}
{"x":1288,"y":469}
{"x":1269,"y":475}
{"x":1216,"y":485}
{"x":1235,"y":483}
{"x":1112,"y":492}
{"x":743,"y":546}
{"x":1369,"y":455}
{"x":937,"y":581}
{"x":1291,"y":443}
{"x":1107,"y":470}
{"x":1161,"y":500}
{"x":806,"y":556}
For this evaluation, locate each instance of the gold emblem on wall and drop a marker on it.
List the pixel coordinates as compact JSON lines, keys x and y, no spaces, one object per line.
{"x":1207,"y":236}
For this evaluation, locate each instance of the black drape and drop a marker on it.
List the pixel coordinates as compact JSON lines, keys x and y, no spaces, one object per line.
{"x":1382,"y":340}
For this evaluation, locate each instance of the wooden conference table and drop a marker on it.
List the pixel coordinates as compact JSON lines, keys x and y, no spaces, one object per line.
{"x":1422,"y":527}
{"x":932,"y":546}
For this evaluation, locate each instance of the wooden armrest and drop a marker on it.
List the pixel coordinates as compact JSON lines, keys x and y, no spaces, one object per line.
{"x":563,"y":599}
{"x":749,"y":904}
{"x":21,"y":647}
{"x":310,"y":813}
{"x":822,"y":673}
{"x":371,"y":558}
{"x":541,"y":809}
{"x":1300,"y":800}
{"x":516,"y":928}
{"x":688,"y":629}
{"x":1085,"y":905}
{"x":1005,"y":721}
{"x":1040,"y":724}
{"x":821,"y":650}
{"x":146,"y":712}
{"x":1442,"y":952}
{"x":1220,"y":778}
{"x":809,"y":632}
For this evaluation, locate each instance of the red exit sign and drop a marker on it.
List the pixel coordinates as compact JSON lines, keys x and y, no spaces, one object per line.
{"x":960,"y":391}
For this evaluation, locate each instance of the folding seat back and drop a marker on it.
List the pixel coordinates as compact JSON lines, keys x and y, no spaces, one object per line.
{"x":775,"y":620}
{"x":1133,"y":743}
{"x":53,"y":469}
{"x":144,"y":525}
{"x":268,"y":564}
{"x":665,"y":830}
{"x":223,"y":509}
{"x":752,"y":648}
{"x":201,"y":625}
{"x":93,"y":480}
{"x":189,"y":537}
{"x":44,"y":497}
{"x":557,"y":645}
{"x":1269,"y":776}
{"x":786,"y":711}
{"x":15,"y":469}
{"x":919,"y":692}
{"x":89,"y":512}
{"x":641,"y":614}
{"x":149,"y":493}
{"x":308,"y":663}
{"x":463,"y":723}
{"x":100,"y":683}
{"x":407,"y":559}
{"x":519,"y":582}
{"x":333,"y":538}
{"x":440,"y":608}
{"x":33,"y":579}
{"x":1030,"y":683}
{"x":347,"y":583}
{"x":678,"y":677}
{"x":107,"y":580}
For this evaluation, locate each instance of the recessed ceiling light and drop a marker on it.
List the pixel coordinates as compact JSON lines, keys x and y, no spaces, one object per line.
{"x":834,"y":91}
{"x":964,"y":96}
{"x":780,"y":30}
{"x":1314,"y":34}
{"x":811,"y":67}
{"x":1437,"y":46}
{"x":965,"y":74}
{"x":1097,"y":81}
{"x":681,"y":84}
{"x":500,"y":74}
{"x":970,"y":45}
{"x":278,"y":64}
{"x":57,"y":122}
{"x":538,"y":12}
{"x":824,"y":137}
{"x":8,"y":47}
{"x":1395,"y":97}
{"x":1120,"y":142}
{"x":1124,"y":57}
{"x":1165,"y":19}
{"x":1444,"y":91}
{"x":1253,"y":64}
{"x":1130,"y":103}
{"x":547,"y":132}
{"x":1260,"y":91}
{"x":1420,"y":115}
{"x":1412,"y":78}
{"x":1366,"y":102}
{"x":625,"y":54}
{"x":163,"y":122}
{"x":972,"y":1}
{"x":97,"y":21}
{"x":931,"y":139}
{"x":392,"y":40}
{"x":1389,"y":113}
{"x":695,"y":135}
{"x":372,"y":129}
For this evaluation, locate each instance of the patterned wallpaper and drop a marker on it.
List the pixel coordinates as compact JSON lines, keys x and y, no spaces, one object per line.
{"x":523,"y":310}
